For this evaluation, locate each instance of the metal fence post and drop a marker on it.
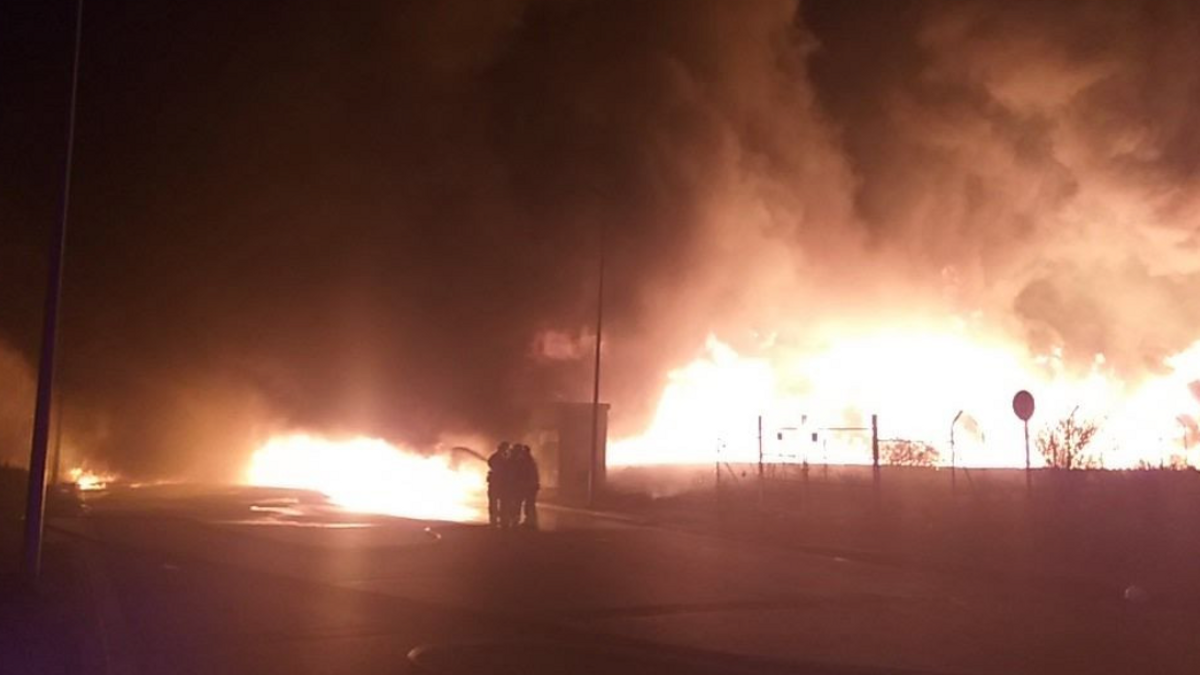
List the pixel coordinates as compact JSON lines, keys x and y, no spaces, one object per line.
{"x":717,"y":483}
{"x":953,"y":457}
{"x":761,"y":485}
{"x":875,"y":449}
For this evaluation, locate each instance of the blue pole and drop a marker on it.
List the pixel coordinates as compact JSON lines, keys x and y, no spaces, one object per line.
{"x":35,"y":504}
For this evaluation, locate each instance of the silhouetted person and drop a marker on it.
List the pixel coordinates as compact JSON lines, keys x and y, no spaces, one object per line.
{"x":526,"y":484}
{"x":510,"y":490}
{"x":498,"y":480}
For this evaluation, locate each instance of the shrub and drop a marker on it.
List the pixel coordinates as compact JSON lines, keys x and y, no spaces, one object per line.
{"x":1065,"y":445}
{"x":908,"y":453}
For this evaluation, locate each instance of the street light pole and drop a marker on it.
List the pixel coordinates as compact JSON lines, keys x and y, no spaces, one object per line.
{"x":35,"y":504}
{"x":593,"y":459}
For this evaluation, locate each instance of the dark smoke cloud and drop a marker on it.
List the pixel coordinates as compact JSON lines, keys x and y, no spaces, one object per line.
{"x":370,"y":219}
{"x":16,"y":410}
{"x":1038,"y":155}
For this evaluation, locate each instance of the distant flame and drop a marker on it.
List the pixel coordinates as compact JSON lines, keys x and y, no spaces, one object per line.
{"x":372,"y":476}
{"x":915,"y":380}
{"x":86,"y":479}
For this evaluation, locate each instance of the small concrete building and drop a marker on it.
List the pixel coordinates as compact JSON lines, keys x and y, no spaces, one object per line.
{"x":560,"y":437}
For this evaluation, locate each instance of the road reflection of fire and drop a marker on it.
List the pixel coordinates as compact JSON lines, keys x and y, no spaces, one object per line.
{"x":372,"y":476}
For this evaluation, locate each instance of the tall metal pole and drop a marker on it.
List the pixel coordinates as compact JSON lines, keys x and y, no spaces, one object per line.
{"x":35,"y":505}
{"x":595,"y":452}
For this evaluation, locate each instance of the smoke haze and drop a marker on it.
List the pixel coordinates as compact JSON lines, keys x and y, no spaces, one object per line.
{"x":385,"y":219}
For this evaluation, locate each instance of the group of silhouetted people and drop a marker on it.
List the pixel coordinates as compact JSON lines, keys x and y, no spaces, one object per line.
{"x":512,"y":487}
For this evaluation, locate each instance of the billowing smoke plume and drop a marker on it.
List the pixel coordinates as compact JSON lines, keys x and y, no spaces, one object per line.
{"x":386,"y":218}
{"x":1039,"y":158}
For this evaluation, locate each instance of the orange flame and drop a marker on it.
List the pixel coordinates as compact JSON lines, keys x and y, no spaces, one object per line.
{"x":86,"y":479}
{"x":372,"y":476}
{"x":915,"y":380}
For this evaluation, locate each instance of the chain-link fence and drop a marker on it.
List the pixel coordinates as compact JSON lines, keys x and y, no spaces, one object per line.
{"x":781,"y":462}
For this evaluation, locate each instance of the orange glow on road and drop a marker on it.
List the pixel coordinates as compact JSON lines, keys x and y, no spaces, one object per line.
{"x":370,"y":475}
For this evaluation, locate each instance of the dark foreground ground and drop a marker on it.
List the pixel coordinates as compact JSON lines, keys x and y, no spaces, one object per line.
{"x":1097,"y":531}
{"x":190,"y":580}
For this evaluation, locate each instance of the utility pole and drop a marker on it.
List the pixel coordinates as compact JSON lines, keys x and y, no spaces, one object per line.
{"x":594,"y":459}
{"x":35,"y":504}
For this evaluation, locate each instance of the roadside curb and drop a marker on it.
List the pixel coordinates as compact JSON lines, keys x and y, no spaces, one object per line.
{"x":606,"y":515}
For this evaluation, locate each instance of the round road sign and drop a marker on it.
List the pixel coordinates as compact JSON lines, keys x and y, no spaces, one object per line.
{"x":1023,"y":405}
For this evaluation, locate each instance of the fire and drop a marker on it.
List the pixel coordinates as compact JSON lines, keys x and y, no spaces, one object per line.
{"x":915,"y":380}
{"x":372,"y":476}
{"x":86,"y":479}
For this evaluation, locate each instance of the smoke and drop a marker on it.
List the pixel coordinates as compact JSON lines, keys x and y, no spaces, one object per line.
{"x":16,"y":409}
{"x":1038,"y":157}
{"x":386,"y":220}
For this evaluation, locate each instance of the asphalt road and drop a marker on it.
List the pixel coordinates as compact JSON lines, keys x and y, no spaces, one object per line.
{"x":253,"y":581}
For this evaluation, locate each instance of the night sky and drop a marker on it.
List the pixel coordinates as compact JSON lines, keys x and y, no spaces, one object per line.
{"x":384,"y":217}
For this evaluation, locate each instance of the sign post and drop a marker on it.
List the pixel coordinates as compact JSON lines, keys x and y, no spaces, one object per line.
{"x":1023,"y":406}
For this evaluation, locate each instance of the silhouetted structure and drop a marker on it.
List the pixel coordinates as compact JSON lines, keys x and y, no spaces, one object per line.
{"x":562,"y":444}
